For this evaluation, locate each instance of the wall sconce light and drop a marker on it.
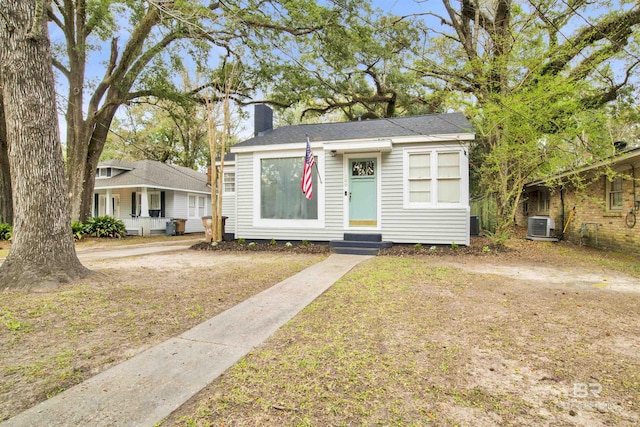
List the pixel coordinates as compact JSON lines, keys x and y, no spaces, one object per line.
{"x":333,"y":153}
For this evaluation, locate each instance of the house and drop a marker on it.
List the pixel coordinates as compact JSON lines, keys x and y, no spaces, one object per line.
{"x":146,"y":194}
{"x":401,"y":180}
{"x":602,"y":212}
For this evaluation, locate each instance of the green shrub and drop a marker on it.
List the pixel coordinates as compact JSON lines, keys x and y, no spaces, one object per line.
{"x":105,"y":226}
{"x":498,"y":239}
{"x":241,"y":241}
{"x":418,"y":246}
{"x":305,"y":243}
{"x":78,"y":230}
{"x":273,"y":242}
{"x":6,"y":231}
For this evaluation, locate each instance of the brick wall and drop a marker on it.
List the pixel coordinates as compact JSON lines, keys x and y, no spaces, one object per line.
{"x":593,"y":224}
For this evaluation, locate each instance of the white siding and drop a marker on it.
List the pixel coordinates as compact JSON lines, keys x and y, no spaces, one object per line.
{"x":181,"y":206}
{"x":427,"y":226}
{"x":229,"y":210}
{"x":229,"y":206}
{"x":331,"y":175}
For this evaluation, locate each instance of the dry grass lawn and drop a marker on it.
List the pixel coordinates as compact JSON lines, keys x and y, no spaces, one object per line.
{"x":543,"y":334}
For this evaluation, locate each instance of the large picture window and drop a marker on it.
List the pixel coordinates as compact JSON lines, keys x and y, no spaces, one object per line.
{"x":281,"y":194}
{"x":433,"y":178}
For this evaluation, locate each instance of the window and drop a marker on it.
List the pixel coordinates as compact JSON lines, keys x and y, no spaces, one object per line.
{"x":614,"y":194}
{"x":154,"y":200}
{"x":419,"y":178}
{"x":229,"y":182}
{"x":432,"y":178}
{"x":281,"y":195}
{"x":197,"y":206}
{"x":448,"y":177}
{"x":103,"y":172}
{"x":544,"y":201}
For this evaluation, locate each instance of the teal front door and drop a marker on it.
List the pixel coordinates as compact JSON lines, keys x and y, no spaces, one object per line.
{"x":363,"y":193}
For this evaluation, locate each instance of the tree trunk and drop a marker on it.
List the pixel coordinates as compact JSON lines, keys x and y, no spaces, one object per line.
{"x":42,"y":254}
{"x":6,"y":202}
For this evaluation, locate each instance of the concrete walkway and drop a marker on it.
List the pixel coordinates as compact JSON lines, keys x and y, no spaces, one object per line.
{"x":147,"y":388}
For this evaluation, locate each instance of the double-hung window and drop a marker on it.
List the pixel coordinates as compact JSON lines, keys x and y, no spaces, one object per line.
{"x":433,"y":178}
{"x":197,"y":206}
{"x":229,"y":182}
{"x":614,"y":194}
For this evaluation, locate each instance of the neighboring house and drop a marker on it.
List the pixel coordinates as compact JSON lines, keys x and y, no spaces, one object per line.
{"x":605,"y":209}
{"x":146,"y":194}
{"x":402,"y":180}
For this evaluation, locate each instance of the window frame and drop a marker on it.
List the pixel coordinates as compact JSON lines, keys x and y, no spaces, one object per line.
{"x":225,"y":181}
{"x":318,"y":190}
{"x":610,"y":192}
{"x":200,"y":206}
{"x":434,"y":179}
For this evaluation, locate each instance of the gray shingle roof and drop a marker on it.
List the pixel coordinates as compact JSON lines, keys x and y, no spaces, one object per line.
{"x":149,"y":173}
{"x":435,"y":124}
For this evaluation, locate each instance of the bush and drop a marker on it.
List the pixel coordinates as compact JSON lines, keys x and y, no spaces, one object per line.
{"x":6,"y":230}
{"x":78,"y":230}
{"x":105,"y":226}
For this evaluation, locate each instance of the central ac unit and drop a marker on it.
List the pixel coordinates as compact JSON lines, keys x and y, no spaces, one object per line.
{"x":540,"y":226}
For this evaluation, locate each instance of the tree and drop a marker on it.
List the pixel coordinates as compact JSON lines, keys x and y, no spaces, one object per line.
{"x":357,"y":69}
{"x":6,"y":204}
{"x":144,"y":64}
{"x":160,"y":130}
{"x":42,"y":254}
{"x":534,"y":77}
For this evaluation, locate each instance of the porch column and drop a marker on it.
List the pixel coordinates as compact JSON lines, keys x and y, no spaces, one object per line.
{"x":108,"y":209}
{"x":145,"y":220}
{"x":144,"y":203}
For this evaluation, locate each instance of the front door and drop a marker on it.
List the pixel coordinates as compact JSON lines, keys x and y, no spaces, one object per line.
{"x":363,"y":193}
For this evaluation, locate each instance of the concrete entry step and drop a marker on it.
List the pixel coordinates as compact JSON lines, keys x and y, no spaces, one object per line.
{"x":359,"y":244}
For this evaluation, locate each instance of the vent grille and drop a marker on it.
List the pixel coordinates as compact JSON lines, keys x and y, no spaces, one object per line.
{"x":540,"y":226}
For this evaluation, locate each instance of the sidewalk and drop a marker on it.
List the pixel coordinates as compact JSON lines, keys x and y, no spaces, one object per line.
{"x":147,"y":388}
{"x":96,"y":253}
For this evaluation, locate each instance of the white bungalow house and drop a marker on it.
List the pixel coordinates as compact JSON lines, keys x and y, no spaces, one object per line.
{"x":401,"y":180}
{"x":147,"y":194}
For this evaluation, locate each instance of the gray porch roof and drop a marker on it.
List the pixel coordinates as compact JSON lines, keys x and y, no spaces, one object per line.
{"x":435,"y":124}
{"x":149,"y":173}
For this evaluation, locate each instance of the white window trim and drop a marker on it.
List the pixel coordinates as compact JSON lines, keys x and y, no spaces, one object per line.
{"x":197,"y":207}
{"x":609,"y":187}
{"x":317,"y":192}
{"x":433,"y":158}
{"x":224,"y":182}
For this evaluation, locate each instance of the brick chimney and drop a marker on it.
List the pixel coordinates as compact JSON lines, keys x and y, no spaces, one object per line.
{"x":262,"y":119}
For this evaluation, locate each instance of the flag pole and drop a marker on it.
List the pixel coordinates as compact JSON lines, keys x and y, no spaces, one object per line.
{"x":315,"y":163}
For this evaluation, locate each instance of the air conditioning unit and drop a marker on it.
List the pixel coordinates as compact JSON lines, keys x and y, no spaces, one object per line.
{"x":540,"y":226}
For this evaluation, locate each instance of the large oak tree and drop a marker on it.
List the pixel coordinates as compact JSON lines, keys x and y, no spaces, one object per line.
{"x":145,"y":43}
{"x":535,"y":77}
{"x":42,"y":253}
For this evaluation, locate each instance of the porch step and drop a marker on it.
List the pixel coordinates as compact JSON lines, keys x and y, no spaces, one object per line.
{"x":359,"y":244}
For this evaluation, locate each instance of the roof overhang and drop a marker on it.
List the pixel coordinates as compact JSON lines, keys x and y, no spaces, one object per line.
{"x":147,"y":186}
{"x":365,"y":146}
{"x":448,"y":137}
{"x":631,"y":157}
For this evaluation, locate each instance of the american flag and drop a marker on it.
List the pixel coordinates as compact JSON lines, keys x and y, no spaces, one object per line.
{"x":309,"y":161}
